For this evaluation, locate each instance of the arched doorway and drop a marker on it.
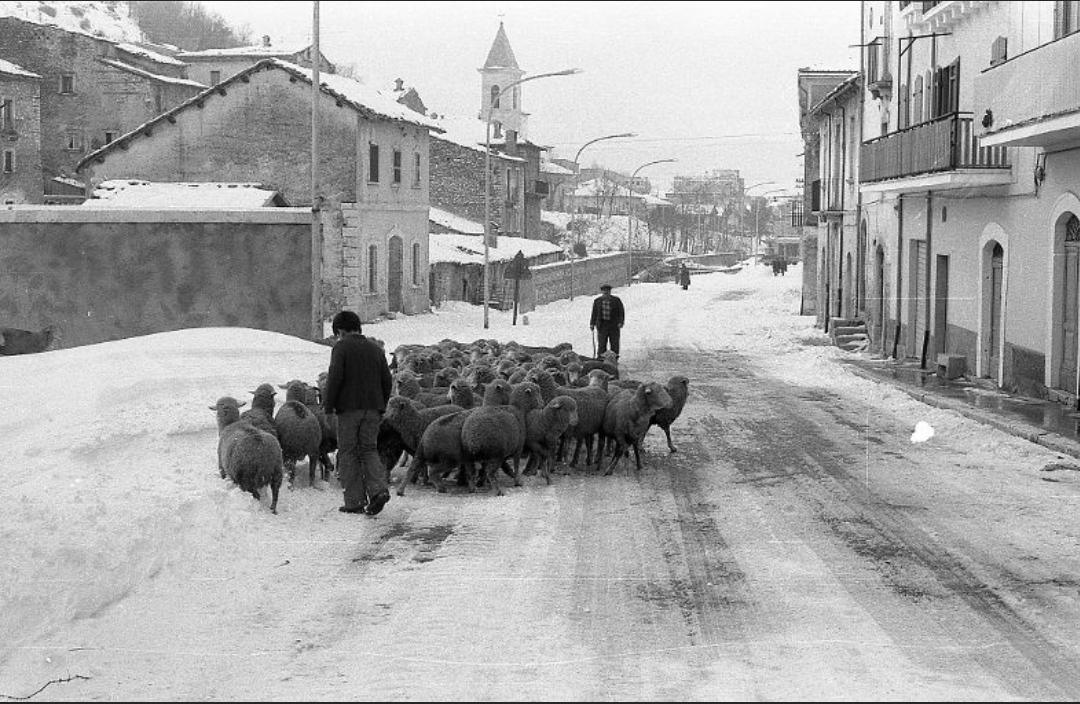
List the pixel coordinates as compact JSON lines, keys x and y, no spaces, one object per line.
{"x":1065,"y":348}
{"x":879,"y":292}
{"x":993,"y":282}
{"x":394,"y":273}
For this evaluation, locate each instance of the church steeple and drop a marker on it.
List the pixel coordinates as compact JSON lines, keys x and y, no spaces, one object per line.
{"x":500,"y":70}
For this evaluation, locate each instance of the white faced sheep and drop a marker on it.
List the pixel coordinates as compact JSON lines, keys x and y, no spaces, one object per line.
{"x":627,"y":418}
{"x":15,"y":341}
{"x":248,"y":456}
{"x":298,"y":431}
{"x":544,"y":429}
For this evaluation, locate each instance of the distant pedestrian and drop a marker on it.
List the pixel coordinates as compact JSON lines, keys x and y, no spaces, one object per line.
{"x":357,"y":388}
{"x":684,"y":277}
{"x":607,"y":320}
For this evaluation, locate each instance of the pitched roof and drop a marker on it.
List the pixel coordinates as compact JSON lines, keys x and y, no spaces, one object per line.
{"x":155,"y":56}
{"x":550,"y":167}
{"x":153,"y":76}
{"x":451,"y":221}
{"x":6,"y":67}
{"x":369,"y":102}
{"x":469,"y":249}
{"x":134,"y":193}
{"x":501,"y":55}
{"x":261,"y":51}
{"x":844,"y":86}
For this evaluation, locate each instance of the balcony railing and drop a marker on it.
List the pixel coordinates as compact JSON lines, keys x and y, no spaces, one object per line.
{"x":1028,"y":91}
{"x":942,"y":144}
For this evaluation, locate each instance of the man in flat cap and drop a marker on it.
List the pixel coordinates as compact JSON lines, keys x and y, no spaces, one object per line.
{"x":607,"y":320}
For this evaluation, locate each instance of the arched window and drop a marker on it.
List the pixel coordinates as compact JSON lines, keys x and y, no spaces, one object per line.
{"x":1072,"y":229}
{"x":373,"y":269}
{"x":495,"y":97}
{"x":416,"y":264}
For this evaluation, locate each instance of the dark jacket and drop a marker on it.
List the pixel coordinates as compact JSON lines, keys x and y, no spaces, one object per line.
{"x":684,"y":276}
{"x":358,"y":378}
{"x":618,"y":315}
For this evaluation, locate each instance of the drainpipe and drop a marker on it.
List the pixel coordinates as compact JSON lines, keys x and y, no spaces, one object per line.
{"x":899,"y":269}
{"x":929,"y":267}
{"x":843,"y":206}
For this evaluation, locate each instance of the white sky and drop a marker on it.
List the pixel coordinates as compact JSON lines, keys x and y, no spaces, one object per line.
{"x":711,"y":84}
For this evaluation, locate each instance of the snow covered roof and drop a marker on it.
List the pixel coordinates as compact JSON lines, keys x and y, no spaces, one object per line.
{"x":550,"y":167}
{"x":153,"y":76}
{"x":11,"y":69}
{"x":103,"y":20}
{"x":137,"y":50}
{"x":260,"y":51}
{"x":469,"y":249}
{"x":469,"y":133}
{"x":369,"y":102}
{"x":454,"y":222}
{"x":650,"y":199}
{"x":134,"y":193}
{"x":556,"y":217}
{"x":594,"y":187}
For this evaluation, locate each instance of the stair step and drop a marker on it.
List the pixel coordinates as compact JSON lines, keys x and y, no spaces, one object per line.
{"x":842,"y":340}
{"x":849,"y":330}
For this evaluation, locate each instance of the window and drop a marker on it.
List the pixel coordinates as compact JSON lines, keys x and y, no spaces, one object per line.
{"x":9,"y":161}
{"x":495,"y":97}
{"x":373,"y":163}
{"x":416,"y":264}
{"x":1066,"y":17}
{"x":373,"y":268}
{"x":74,"y":141}
{"x":397,"y":166}
{"x":416,"y":172}
{"x":215,"y":77}
{"x":109,"y":136}
{"x":947,"y":89}
{"x":7,"y":117}
{"x":67,"y":82}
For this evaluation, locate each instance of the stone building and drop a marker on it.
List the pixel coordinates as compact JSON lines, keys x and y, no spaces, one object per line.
{"x":255,"y":127}
{"x":20,"y":135}
{"x":91,"y":91}
{"x":211,"y":66}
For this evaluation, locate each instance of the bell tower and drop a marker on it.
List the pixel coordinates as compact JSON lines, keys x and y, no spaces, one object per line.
{"x":500,"y":70}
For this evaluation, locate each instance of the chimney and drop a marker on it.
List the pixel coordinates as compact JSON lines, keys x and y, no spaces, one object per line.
{"x":399,"y":84}
{"x":266,"y":40}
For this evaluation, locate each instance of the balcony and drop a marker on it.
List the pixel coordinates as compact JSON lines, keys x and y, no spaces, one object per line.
{"x":939,"y":15}
{"x":1032,"y":99}
{"x":940,"y":154}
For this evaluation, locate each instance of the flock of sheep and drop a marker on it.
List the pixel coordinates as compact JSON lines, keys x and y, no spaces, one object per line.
{"x":465,"y":409}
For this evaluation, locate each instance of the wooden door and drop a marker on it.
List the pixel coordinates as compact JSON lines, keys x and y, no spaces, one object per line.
{"x":996,"y":262}
{"x":394,"y":274}
{"x":1069,"y":289}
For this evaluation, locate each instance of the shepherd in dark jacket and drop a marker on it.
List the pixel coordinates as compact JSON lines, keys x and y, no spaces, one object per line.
{"x":607,"y":319}
{"x":684,"y":277}
{"x":358,"y":386}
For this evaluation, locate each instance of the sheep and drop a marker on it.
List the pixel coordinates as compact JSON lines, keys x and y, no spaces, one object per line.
{"x":678,"y":387}
{"x":544,"y":429}
{"x":461,"y":394}
{"x":609,"y":362}
{"x":298,"y":431}
{"x":627,"y":418}
{"x":261,"y":413}
{"x":248,"y":456}
{"x":15,"y":341}
{"x":493,"y":434}
{"x":327,"y":421}
{"x":410,"y":419}
{"x":408,"y":384}
{"x":591,"y":401}
{"x":440,"y":448}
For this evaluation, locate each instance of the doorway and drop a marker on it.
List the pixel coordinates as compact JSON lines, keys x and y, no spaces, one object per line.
{"x":394,"y":274}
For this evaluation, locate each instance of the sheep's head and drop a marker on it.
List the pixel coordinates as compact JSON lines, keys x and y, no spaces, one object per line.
{"x":406,"y":384}
{"x":497,"y":393}
{"x":611,"y":358}
{"x":263,"y":397}
{"x":654,"y":395}
{"x":295,"y":390}
{"x":227,"y":409}
{"x":566,"y":405}
{"x":398,"y":405}
{"x":526,"y":396}
{"x":598,"y":377}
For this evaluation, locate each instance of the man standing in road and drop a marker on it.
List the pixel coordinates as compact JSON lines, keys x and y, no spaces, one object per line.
{"x":357,"y":387}
{"x":607,"y":320}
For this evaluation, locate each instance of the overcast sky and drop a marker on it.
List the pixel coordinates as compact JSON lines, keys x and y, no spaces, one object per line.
{"x":711,"y":84}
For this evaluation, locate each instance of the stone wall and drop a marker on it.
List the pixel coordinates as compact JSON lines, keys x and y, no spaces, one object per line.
{"x":24,"y":184}
{"x":457,"y":183}
{"x":581,"y":277}
{"x":100,"y":275}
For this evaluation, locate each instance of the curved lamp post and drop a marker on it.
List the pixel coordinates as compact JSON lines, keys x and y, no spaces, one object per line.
{"x":487,"y":173}
{"x":757,"y":222}
{"x":630,"y":223}
{"x":577,"y":178}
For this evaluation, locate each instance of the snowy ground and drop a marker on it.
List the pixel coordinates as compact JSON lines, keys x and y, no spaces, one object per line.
{"x":112,"y":472}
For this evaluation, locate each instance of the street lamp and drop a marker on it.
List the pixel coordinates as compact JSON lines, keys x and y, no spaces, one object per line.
{"x":630,"y":223}
{"x":487,"y":174}
{"x":577,"y":177}
{"x":757,"y":222}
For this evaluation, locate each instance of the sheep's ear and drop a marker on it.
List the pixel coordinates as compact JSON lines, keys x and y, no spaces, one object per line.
{"x":241,"y":404}
{"x":212,"y":408}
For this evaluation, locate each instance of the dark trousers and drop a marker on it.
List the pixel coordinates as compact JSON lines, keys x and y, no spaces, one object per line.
{"x":607,"y":334}
{"x":360,"y":469}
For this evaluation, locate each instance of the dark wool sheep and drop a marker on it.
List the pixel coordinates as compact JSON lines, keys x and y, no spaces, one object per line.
{"x":609,"y":362}
{"x":461,"y":394}
{"x":439,"y":449}
{"x":261,"y":413}
{"x":299,"y":433}
{"x":410,"y":419}
{"x":15,"y":341}
{"x":591,"y":402}
{"x":627,"y":418}
{"x":678,"y":387}
{"x":544,"y":429}
{"x":248,"y":456}
{"x":493,"y":434}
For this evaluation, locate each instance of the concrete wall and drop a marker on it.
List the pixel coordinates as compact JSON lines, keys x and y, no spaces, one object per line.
{"x":24,"y":184}
{"x":582,"y":277}
{"x":103,"y":275}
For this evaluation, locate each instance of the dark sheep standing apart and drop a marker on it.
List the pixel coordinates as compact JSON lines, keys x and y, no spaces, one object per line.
{"x":248,"y":456}
{"x":627,"y":418}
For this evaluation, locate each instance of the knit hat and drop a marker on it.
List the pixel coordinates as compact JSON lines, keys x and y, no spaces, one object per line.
{"x":605,"y":287}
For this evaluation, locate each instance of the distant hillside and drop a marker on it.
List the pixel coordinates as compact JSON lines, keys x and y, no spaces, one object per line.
{"x":187,"y":25}
{"x":108,"y":20}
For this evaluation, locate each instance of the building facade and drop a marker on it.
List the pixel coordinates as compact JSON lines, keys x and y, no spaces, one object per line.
{"x":256,"y":127}
{"x":20,"y":135}
{"x":211,"y":66}
{"x":969,"y":185}
{"x":91,"y":91}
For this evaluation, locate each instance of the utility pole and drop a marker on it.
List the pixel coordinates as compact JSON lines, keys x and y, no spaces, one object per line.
{"x":316,"y":218}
